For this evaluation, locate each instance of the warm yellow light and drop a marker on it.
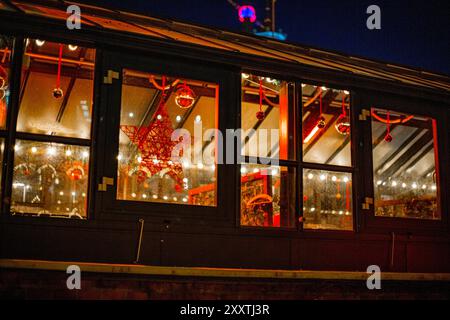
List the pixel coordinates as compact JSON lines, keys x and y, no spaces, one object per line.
{"x":311,"y":134}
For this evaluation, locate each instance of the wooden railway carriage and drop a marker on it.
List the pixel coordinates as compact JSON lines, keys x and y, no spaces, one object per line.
{"x":352,"y":159}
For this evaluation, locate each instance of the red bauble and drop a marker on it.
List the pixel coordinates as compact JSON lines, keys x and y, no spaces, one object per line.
{"x":260,"y":115}
{"x":184,"y":96}
{"x":321,"y":123}
{"x":343,"y":125}
{"x":388,"y":138}
{"x":76,"y":174}
{"x":141,"y":176}
{"x":57,"y":93}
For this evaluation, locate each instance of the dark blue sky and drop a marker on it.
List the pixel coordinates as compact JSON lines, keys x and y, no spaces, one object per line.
{"x":414,"y":33}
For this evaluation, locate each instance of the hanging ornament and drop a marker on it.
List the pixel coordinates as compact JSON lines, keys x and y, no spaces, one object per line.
{"x":184,"y":96}
{"x":321,"y":122}
{"x":343,"y":122}
{"x":260,"y":115}
{"x":23,"y":168}
{"x":76,"y":171}
{"x":58,"y":92}
{"x":388,"y":137}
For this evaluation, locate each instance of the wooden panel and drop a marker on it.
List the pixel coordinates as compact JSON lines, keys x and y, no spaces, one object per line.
{"x":69,"y":244}
{"x":319,"y":254}
{"x":225,"y":251}
{"x":428,"y":257}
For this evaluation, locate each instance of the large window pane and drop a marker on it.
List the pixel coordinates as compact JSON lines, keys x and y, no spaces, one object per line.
{"x":50,"y":179}
{"x":5,"y":60}
{"x":327,"y":200}
{"x":405,"y":171}
{"x":266,"y":119}
{"x":267,"y":196}
{"x":326,"y":125}
{"x":152,"y":167}
{"x":45,"y":109}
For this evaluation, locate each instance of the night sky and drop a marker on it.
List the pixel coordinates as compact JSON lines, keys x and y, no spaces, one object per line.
{"x":414,"y":33}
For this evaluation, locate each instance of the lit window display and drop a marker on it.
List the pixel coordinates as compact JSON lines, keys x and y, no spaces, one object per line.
{"x":267,"y":196}
{"x":326,"y":125}
{"x":167,"y":146}
{"x":327,"y":200}
{"x":5,"y":60}
{"x":57,"y":89}
{"x":406,"y":179}
{"x":50,"y":179}
{"x":266,"y":120}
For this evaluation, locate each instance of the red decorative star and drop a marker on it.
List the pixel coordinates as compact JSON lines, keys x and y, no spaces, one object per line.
{"x":155,"y":144}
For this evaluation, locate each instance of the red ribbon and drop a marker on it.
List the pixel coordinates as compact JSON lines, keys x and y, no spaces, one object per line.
{"x":58,"y":77}
{"x":260,"y":95}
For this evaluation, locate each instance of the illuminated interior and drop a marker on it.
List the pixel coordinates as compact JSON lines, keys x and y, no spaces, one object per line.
{"x":327,"y":200}
{"x":404,"y":165}
{"x":51,"y":165}
{"x":327,"y":195}
{"x":266,"y":119}
{"x":267,"y":192}
{"x":326,"y":125}
{"x":267,"y":196}
{"x":155,"y":109}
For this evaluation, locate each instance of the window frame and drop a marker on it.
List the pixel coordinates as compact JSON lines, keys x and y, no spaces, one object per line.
{"x":11,"y":135}
{"x":352,"y":169}
{"x":112,"y":208}
{"x":293,"y":106}
{"x":402,"y":104}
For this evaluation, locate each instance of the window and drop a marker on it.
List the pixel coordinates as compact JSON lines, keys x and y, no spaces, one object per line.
{"x":268,"y":134}
{"x":406,"y":177}
{"x":166,"y":153}
{"x":326,"y":126}
{"x":52,"y":147}
{"x":267,"y":196}
{"x":327,"y":191}
{"x":5,"y":60}
{"x":50,"y":179}
{"x":56,"y":102}
{"x":327,"y":200}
